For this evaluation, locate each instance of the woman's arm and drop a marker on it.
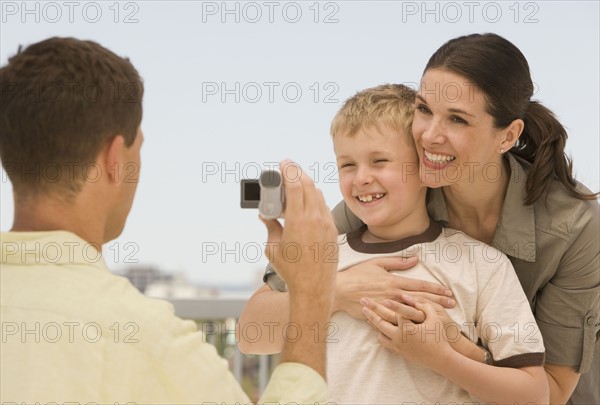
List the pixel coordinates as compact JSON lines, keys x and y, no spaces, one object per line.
{"x":503,"y":385}
{"x":562,"y":381}
{"x":267,"y":310}
{"x":372,"y":279}
{"x":420,"y":344}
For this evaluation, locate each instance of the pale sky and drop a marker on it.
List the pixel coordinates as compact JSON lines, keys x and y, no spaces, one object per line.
{"x":232,"y":87}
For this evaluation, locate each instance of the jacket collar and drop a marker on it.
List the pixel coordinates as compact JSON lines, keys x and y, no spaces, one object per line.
{"x":515,"y":232}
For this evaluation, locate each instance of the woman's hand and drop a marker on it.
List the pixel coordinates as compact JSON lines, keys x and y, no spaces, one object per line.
{"x":372,"y":279}
{"x":391,"y":311}
{"x":407,"y":309}
{"x":426,"y":343}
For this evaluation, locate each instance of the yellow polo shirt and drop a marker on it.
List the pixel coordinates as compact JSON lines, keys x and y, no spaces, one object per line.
{"x":74,"y":332}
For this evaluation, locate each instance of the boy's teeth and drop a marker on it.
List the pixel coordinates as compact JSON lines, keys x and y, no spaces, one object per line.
{"x":438,"y":158}
{"x":370,"y":197}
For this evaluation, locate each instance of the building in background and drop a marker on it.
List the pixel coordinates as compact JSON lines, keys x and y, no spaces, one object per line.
{"x":158,"y":284}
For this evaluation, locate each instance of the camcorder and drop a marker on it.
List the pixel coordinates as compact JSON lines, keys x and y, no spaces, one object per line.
{"x":266,"y":194}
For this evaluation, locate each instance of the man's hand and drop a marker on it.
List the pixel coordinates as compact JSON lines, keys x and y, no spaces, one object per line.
{"x":305,"y":254}
{"x":305,"y":251}
{"x":372,"y":279}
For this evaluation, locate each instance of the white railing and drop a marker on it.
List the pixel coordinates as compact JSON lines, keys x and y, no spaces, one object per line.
{"x":217,"y":318}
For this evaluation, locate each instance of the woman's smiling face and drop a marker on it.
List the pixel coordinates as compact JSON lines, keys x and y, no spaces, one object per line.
{"x":454,"y":134}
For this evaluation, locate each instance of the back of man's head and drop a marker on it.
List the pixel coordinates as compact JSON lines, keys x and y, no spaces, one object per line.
{"x":62,"y":99}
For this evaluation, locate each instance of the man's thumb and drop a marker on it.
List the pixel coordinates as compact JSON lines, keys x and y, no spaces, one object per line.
{"x":274,"y":231}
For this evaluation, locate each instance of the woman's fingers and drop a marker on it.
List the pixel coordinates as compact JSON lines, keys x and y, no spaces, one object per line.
{"x":385,"y":313}
{"x":405,"y":311}
{"x":434,"y":292}
{"x":413,"y":298}
{"x":385,"y":341}
{"x":428,"y":308}
{"x":378,"y":322}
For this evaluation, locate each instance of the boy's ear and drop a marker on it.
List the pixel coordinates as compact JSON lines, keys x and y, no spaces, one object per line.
{"x":512,"y":133}
{"x":112,"y":157}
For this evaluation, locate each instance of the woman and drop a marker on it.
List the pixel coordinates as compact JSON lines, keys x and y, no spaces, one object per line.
{"x":494,"y":160}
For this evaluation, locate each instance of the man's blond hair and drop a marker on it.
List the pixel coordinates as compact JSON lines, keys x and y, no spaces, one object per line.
{"x":387,"y":105}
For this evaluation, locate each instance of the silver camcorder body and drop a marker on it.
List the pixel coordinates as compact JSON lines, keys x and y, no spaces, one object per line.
{"x":266,"y":194}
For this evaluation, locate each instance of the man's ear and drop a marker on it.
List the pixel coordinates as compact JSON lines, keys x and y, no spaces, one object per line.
{"x":112,"y":157}
{"x":512,"y":133}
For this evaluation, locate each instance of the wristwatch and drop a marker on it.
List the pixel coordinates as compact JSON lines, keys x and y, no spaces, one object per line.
{"x":272,"y":279}
{"x":487,"y":357}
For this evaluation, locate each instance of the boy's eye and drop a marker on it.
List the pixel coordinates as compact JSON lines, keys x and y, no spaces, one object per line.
{"x":422,"y":108}
{"x":381,"y":160}
{"x":345,"y":165}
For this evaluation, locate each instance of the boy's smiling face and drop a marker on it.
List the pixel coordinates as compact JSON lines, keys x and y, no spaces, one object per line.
{"x":379,"y":179}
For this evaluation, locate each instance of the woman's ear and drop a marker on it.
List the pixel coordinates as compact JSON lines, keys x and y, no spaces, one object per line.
{"x":511,"y":134}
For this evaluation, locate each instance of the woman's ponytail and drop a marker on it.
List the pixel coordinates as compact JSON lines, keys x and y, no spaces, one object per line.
{"x":543,"y":144}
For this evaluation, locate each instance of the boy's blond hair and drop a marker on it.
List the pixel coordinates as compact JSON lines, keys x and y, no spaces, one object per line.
{"x":390,"y":105}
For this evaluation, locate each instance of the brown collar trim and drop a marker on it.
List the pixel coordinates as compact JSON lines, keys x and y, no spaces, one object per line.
{"x":355,"y":240}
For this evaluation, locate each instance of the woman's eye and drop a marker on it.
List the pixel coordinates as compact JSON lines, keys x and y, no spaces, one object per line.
{"x":381,"y":160}
{"x":458,"y":120}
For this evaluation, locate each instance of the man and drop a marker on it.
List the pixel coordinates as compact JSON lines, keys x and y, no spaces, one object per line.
{"x":71,"y":331}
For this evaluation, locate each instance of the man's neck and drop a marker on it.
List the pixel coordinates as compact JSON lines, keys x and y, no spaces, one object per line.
{"x":44,"y":213}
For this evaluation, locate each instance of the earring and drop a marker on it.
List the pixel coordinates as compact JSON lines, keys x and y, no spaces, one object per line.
{"x":501,"y":150}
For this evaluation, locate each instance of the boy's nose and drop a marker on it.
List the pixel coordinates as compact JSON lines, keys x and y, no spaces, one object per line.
{"x":363,"y":176}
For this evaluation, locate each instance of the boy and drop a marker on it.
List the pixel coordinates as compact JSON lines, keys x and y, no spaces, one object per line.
{"x":378,"y":176}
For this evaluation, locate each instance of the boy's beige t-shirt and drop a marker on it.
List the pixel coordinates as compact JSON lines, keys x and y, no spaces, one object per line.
{"x":491,"y":307}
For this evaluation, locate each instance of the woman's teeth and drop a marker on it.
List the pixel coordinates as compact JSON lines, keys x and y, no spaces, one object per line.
{"x":435,"y":158}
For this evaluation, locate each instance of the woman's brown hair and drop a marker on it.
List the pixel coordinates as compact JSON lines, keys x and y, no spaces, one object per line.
{"x":499,"y":69}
